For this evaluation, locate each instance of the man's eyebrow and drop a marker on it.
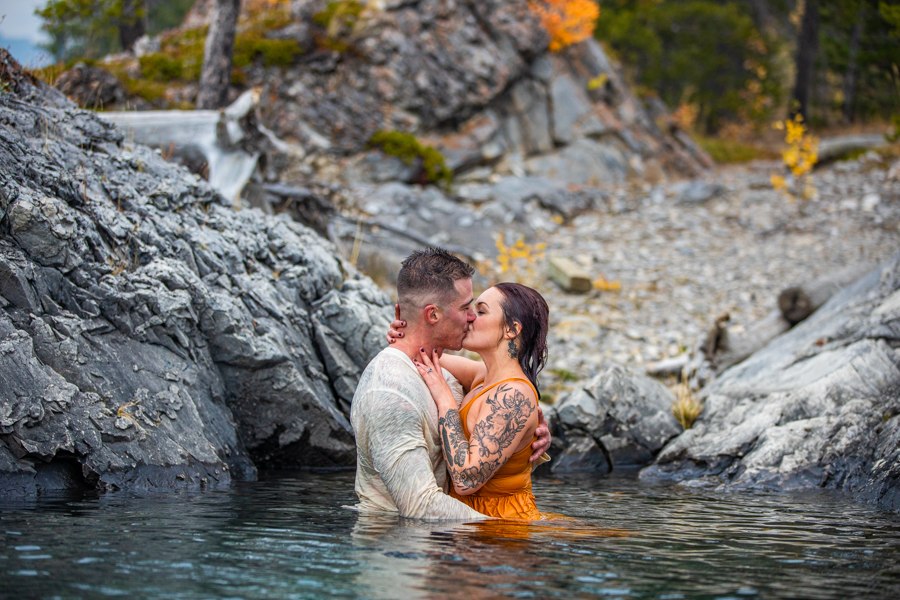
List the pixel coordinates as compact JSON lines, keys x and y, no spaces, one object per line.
{"x":468,"y":302}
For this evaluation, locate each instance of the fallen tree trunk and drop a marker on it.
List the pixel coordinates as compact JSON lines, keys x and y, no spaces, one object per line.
{"x":229,"y":141}
{"x":798,"y":302}
{"x":726,"y":346}
{"x":835,"y":147}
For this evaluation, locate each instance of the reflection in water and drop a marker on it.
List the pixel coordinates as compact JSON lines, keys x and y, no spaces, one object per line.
{"x":288,"y":537}
{"x":405,"y":558}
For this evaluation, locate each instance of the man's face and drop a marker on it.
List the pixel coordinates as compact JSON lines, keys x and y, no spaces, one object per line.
{"x":456,"y":317}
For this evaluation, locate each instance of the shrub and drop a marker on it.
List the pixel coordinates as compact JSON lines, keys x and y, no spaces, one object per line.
{"x":337,"y":15}
{"x":800,"y":156}
{"x":159,"y":67}
{"x":408,"y":149}
{"x":702,"y":53}
{"x":686,"y":408}
{"x":567,"y":21}
{"x":275,"y":53}
{"x":516,"y":261}
{"x":725,"y":151}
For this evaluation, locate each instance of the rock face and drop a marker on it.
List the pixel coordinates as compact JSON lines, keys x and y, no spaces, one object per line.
{"x":474,"y":79}
{"x":151,"y":335}
{"x":618,"y":419}
{"x":817,"y":407}
{"x":566,"y":116}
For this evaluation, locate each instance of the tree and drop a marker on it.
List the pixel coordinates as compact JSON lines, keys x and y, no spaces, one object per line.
{"x":93,"y":28}
{"x":807,"y":47}
{"x":703,"y":53}
{"x":218,"y":54}
{"x":131,"y":22}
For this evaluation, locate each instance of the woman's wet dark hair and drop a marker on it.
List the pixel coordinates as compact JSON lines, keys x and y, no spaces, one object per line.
{"x":525,"y":306}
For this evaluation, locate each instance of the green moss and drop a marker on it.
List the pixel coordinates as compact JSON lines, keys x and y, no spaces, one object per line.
{"x":347,"y":11}
{"x":564,"y":374}
{"x":275,"y":53}
{"x":148,"y":90}
{"x":894,"y":136}
{"x":159,"y":67}
{"x":408,"y":149}
{"x":726,"y":151}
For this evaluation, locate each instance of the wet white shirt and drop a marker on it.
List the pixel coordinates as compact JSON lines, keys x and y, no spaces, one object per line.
{"x":399,"y":462}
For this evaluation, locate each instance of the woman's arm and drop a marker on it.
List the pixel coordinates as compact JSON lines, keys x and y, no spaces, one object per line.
{"x":466,"y":370}
{"x":511,"y":408}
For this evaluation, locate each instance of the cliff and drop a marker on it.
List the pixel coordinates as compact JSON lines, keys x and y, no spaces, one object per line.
{"x":150,"y":334}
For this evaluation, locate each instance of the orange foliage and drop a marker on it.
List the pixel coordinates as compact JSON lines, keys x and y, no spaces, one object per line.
{"x":567,"y":21}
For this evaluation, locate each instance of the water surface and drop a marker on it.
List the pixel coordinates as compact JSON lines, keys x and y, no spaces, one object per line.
{"x":287,"y":536}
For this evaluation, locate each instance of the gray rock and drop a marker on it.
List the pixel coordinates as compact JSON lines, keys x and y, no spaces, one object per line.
{"x":696,"y":191}
{"x":584,"y":162}
{"x":617,"y":419}
{"x":529,"y":102}
{"x":573,"y":115}
{"x":817,"y":407}
{"x":406,"y":218}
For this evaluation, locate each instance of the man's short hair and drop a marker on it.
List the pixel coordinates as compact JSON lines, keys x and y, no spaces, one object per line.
{"x":429,"y":277}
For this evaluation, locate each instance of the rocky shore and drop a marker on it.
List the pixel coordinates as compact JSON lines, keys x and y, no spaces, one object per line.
{"x":682,"y":263}
{"x":156,"y":335}
{"x":152,"y":336}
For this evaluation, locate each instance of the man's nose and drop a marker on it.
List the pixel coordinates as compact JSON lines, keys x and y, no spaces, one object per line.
{"x":470,"y":315}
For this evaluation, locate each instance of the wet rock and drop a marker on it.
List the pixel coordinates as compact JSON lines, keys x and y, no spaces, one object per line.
{"x":817,"y":407}
{"x":617,"y":419}
{"x":151,"y":336}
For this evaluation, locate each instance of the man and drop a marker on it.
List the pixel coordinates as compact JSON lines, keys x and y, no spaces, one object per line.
{"x":400,"y":466}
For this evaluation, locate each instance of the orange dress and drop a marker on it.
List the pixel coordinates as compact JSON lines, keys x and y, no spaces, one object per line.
{"x":507,"y":494}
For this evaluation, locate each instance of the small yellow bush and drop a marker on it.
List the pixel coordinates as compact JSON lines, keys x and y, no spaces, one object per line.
{"x":800,"y":156}
{"x":516,"y":261}
{"x":567,"y":21}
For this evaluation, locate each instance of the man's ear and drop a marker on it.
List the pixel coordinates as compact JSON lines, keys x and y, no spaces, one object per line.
{"x":432,"y":314}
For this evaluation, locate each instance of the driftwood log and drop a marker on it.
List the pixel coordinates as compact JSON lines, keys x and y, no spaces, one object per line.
{"x":835,"y":147}
{"x":726,"y":346}
{"x":228,"y":141}
{"x":798,"y":302}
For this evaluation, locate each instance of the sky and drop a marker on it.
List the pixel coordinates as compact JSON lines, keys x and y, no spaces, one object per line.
{"x":20,"y":31}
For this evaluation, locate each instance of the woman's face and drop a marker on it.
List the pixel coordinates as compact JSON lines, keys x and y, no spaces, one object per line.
{"x":486,"y":331}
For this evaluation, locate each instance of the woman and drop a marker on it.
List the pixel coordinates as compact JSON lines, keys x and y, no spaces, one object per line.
{"x":487,"y":442}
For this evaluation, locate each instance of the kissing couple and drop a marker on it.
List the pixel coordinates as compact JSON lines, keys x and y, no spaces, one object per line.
{"x":422,"y":417}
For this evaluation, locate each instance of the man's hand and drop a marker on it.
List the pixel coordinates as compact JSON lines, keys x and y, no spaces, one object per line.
{"x":542,"y":443}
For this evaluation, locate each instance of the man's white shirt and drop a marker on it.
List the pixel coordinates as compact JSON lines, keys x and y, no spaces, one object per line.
{"x":399,"y":462}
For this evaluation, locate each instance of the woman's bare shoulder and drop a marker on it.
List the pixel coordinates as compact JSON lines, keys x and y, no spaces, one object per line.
{"x":508,"y":397}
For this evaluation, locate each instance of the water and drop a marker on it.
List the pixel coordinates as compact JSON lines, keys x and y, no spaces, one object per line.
{"x":287,"y":536}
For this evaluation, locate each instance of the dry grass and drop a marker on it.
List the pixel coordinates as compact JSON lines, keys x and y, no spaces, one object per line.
{"x":686,"y":407}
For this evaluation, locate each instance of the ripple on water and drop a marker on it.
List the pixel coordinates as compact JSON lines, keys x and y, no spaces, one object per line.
{"x":288,"y":537}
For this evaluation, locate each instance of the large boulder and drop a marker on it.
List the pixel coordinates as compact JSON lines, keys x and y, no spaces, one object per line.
{"x":817,"y":407}
{"x":150,"y":334}
{"x":617,"y":419}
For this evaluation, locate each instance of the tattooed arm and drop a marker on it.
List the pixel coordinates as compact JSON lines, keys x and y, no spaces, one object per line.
{"x":507,"y":418}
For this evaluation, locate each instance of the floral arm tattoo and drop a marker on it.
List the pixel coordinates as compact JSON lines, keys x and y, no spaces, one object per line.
{"x":473,"y":462}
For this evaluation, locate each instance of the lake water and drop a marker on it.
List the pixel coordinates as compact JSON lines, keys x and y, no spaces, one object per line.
{"x":287,"y":536}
